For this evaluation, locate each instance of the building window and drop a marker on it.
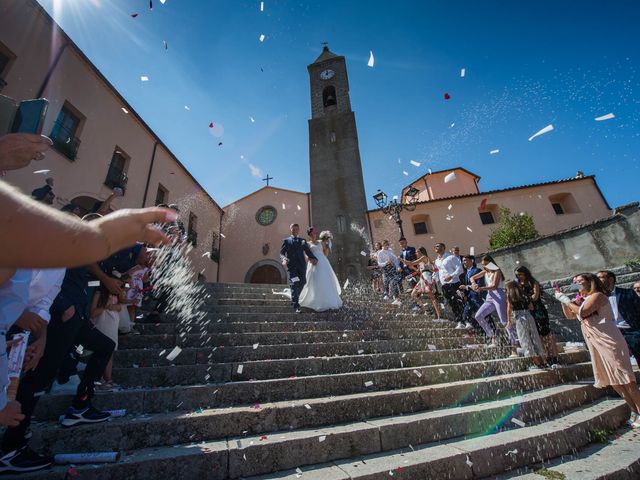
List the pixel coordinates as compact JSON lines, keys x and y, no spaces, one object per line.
{"x":192,"y":233}
{"x":117,"y":173}
{"x":329,"y":96}
{"x":215,"y":250}
{"x":162,"y":195}
{"x":64,"y":132}
{"x":563,"y":203}
{"x":487,"y":218}
{"x":266,"y":216}
{"x":557,"y":207}
{"x":420,"y":228}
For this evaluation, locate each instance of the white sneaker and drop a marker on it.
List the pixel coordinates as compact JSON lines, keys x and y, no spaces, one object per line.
{"x":468,"y":326}
{"x":534,"y":368}
{"x":416,"y":309}
{"x":68,"y":388}
{"x":460,"y":326}
{"x":396,"y":302}
{"x":386,"y":297}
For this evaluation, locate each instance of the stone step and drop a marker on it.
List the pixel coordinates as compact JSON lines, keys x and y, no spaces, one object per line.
{"x":456,"y":338}
{"x":141,"y":431}
{"x":302,"y":326}
{"x":483,"y":456}
{"x":165,"y":375}
{"x":285,"y":308}
{"x":364,"y":445}
{"x":155,"y":400}
{"x":291,"y":316}
{"x":618,"y":459}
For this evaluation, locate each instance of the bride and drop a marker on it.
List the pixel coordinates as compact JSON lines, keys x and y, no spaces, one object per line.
{"x":322,"y":290}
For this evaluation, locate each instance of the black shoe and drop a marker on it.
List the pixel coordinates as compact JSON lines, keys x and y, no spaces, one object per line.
{"x":24,"y":460}
{"x":85,"y":415}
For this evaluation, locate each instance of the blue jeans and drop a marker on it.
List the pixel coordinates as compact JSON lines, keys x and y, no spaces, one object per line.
{"x":391,"y":276}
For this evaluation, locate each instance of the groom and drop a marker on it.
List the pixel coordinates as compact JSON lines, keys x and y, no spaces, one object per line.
{"x":292,"y":255}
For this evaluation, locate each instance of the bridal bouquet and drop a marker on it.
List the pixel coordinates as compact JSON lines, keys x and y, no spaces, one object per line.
{"x":326,"y":237}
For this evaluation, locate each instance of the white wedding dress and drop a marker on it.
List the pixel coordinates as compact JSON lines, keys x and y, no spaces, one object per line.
{"x":322,"y":290}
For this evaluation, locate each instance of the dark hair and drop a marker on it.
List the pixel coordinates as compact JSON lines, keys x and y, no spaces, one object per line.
{"x":609,"y":274}
{"x":310,"y":230}
{"x":596,"y":284}
{"x":423,"y":251}
{"x":470,"y":257}
{"x":401,"y":239}
{"x":527,"y":275}
{"x":441,"y":244}
{"x":515,"y":293}
{"x":294,"y":225}
{"x":488,"y":258}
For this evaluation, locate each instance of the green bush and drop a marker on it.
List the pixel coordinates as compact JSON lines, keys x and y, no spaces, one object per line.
{"x":512,"y":229}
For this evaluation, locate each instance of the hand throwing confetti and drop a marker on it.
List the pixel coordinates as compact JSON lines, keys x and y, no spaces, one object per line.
{"x":546,"y":129}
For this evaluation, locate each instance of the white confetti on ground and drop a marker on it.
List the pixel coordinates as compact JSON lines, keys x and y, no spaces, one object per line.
{"x":240,"y":368}
{"x":368,"y":383}
{"x":307,"y":406}
{"x":493,"y":152}
{"x":144,"y":78}
{"x":262,"y":37}
{"x":363,"y":253}
{"x":174,"y":353}
{"x":371,"y":59}
{"x":608,"y":116}
{"x":417,"y":373}
{"x":520,"y":423}
{"x":414,"y":163}
{"x":255,"y":346}
{"x":431,"y":347}
{"x":546,"y":129}
{"x":469,"y":462}
{"x":360,"y":352}
{"x":441,"y":371}
{"x":346,"y":284}
{"x":322,"y":438}
{"x":450,"y":177}
{"x":576,"y":256}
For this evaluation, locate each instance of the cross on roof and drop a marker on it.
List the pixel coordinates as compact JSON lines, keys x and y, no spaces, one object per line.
{"x":267,"y":179}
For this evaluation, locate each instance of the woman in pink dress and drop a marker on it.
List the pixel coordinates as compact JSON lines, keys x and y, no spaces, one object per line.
{"x":608,"y":348}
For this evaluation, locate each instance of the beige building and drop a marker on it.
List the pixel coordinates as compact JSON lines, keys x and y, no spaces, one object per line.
{"x":254,"y":228}
{"x":99,"y":140}
{"x":456,"y":212}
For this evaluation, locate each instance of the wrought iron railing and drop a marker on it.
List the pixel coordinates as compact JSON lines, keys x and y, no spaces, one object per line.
{"x":116,"y":177}
{"x":64,"y":141}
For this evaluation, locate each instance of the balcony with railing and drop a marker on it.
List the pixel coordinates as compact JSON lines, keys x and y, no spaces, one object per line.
{"x":64,"y":141}
{"x":116,"y":178}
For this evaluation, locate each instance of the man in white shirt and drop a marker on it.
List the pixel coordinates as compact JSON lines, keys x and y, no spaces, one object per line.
{"x":391,"y":269}
{"x":449,"y":271}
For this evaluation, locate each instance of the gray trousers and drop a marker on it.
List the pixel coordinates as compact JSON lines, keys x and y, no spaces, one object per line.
{"x":528,"y":333}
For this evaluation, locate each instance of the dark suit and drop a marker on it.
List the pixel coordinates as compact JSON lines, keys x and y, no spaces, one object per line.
{"x":629,"y":309}
{"x":294,"y":249}
{"x":472,"y":300}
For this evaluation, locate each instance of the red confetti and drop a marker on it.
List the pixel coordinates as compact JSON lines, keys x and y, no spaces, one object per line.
{"x":72,"y":472}
{"x":264,"y":437}
{"x":399,"y":469}
{"x":211,"y":125}
{"x":483,"y":204}
{"x":172,"y":173}
{"x":256,"y":406}
{"x":134,"y":15}
{"x":447,"y":96}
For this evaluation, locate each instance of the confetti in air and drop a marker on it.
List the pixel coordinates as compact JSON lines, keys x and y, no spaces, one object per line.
{"x":450,"y":206}
{"x":463,"y":71}
{"x":346,"y":284}
{"x":493,"y":152}
{"x":546,"y":129}
{"x":124,"y":110}
{"x":186,"y":107}
{"x":134,"y":15}
{"x":144,"y":78}
{"x":450,"y":177}
{"x":262,"y":6}
{"x":469,"y":228}
{"x":371,"y":59}
{"x":405,"y":173}
{"x":608,"y":116}
{"x":363,"y":253}
{"x":483,"y":204}
{"x":447,"y":96}
{"x":166,"y":45}
{"x":253,"y":120}
{"x":262,"y":37}
{"x":414,"y":163}
{"x":44,"y":172}
{"x":472,"y":250}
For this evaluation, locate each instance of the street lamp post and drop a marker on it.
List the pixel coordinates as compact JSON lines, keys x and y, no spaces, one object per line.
{"x":394,"y":208}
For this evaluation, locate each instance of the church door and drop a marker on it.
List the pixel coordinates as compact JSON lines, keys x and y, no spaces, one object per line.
{"x":266,"y":274}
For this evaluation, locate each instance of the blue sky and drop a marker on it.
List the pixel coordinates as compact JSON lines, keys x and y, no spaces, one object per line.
{"x":528,"y":64}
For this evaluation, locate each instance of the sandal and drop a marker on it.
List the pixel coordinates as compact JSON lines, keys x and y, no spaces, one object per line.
{"x":633,"y":420}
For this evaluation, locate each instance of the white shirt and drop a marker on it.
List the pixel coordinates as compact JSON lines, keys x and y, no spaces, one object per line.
{"x":386,"y":255}
{"x":43,"y":289}
{"x":613,"y":301}
{"x":449,"y":266}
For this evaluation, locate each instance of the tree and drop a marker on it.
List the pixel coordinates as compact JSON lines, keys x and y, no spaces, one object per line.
{"x":512,"y":229}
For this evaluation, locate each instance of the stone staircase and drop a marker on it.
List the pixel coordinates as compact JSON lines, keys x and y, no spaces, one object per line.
{"x":365,"y":393}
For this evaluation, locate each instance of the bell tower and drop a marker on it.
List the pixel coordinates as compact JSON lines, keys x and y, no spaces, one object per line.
{"x":338,"y":200}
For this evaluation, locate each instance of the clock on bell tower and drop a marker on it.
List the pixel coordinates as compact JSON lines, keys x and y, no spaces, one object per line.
{"x":338,"y":200}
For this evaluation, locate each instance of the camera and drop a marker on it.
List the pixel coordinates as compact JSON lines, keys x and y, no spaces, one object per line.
{"x":24,"y":117}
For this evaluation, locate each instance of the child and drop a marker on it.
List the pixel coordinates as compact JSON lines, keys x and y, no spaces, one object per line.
{"x":138,"y":275}
{"x":519,"y":307}
{"x":105,"y":314}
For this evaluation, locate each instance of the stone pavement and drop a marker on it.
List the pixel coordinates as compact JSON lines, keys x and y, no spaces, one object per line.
{"x":366,"y":393}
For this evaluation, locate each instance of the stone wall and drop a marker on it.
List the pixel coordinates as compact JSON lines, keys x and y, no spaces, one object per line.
{"x":595,"y":246}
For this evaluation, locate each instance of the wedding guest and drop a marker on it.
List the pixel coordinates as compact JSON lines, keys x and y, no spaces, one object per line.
{"x":388,"y":261}
{"x":609,"y":352}
{"x":105,"y":315}
{"x":533,"y":290}
{"x":471,"y":299}
{"x":496,"y":301}
{"x":407,"y":253}
{"x":636,"y":288}
{"x":449,"y":269}
{"x":374,"y":268}
{"x":625,"y":305}
{"x":519,"y":308}
{"x":423,"y":287}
